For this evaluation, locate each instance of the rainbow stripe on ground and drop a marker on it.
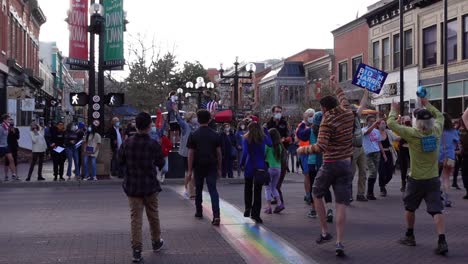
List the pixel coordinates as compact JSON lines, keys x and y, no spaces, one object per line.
{"x":255,"y":243}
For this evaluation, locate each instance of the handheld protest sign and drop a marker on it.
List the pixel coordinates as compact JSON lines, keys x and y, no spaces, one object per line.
{"x":369,"y":78}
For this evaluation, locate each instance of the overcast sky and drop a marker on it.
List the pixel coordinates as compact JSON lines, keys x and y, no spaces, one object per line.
{"x":216,"y":31}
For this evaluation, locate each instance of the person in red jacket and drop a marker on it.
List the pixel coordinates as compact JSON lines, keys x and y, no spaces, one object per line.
{"x":166,"y":146}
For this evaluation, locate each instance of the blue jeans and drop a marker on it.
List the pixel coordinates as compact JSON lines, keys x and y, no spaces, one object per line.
{"x":73,"y":157}
{"x":210,"y":174}
{"x":93,"y":166}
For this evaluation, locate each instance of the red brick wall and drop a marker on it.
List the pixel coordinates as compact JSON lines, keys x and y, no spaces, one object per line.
{"x":351,"y":44}
{"x":3,"y":33}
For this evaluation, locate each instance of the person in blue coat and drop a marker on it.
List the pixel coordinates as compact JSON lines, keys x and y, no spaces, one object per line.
{"x":228,"y":148}
{"x":253,"y":157}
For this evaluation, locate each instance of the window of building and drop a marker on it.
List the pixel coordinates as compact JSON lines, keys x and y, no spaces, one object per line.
{"x":408,"y":47}
{"x":452,"y":46}
{"x":356,"y":61}
{"x":376,"y":54}
{"x":396,"y":51}
{"x":343,"y":71}
{"x":430,"y":46}
{"x":465,"y":37}
{"x":386,"y":54}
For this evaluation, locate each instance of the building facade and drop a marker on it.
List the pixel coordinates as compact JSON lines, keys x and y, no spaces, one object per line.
{"x":317,"y":74}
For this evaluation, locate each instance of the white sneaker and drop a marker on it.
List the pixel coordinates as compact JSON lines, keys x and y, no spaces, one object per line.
{"x":94,"y":178}
{"x":186,"y":195}
{"x":88,"y":178}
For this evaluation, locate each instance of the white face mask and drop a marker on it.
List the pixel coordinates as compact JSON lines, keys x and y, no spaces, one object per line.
{"x":242,"y":127}
{"x":277,"y":116}
{"x":310,"y":120}
{"x":153,"y":129}
{"x":227,"y":130}
{"x":89,"y":129}
{"x":194,"y":120}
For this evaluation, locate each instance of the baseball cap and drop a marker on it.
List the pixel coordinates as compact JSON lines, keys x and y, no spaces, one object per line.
{"x":422,"y":114}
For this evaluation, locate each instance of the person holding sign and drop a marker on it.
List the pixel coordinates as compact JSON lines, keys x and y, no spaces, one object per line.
{"x":423,"y":182}
{"x":92,"y":145}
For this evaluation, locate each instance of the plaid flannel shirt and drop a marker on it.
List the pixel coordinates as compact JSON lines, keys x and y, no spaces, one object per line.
{"x":139,"y":156}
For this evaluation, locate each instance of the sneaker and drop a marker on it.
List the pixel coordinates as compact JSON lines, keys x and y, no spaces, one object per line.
{"x":361,"y":198}
{"x":278,"y":209}
{"x":408,"y":241}
{"x":55,"y":178}
{"x":247,"y":213}
{"x":86,"y":179}
{"x":324,"y":239}
{"x":268,"y":211}
{"x":28,"y":179}
{"x":6,"y":179}
{"x":339,"y":249}
{"x":157,"y":245}
{"x":447,"y":203}
{"x":371,"y":197}
{"x":186,"y":195}
{"x":15,"y":178}
{"x":41,"y":179}
{"x":216,"y":221}
{"x":383,"y":192}
{"x":199,"y":215}
{"x":257,"y":219}
{"x":137,"y":256}
{"x":330,"y":216}
{"x":312,"y":214}
{"x":94,"y":179}
{"x":442,"y":248}
{"x":308,"y":200}
{"x":455,"y":186}
{"x":61,"y":178}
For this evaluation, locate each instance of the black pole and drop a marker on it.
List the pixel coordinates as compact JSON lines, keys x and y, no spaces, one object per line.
{"x":101,"y":73}
{"x":445,"y":101}
{"x":236,"y":86}
{"x":402,"y":63}
{"x":199,"y":99}
{"x":92,"y":71}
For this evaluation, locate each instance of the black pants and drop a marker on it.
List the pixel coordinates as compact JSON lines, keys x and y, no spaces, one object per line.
{"x":281,"y":179}
{"x":210,"y":174}
{"x":385,"y":169}
{"x":464,"y":162}
{"x":58,"y":159}
{"x":404,"y":164}
{"x":256,"y":206}
{"x":37,"y":156}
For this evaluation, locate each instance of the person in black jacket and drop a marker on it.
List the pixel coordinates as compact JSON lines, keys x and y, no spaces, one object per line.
{"x":71,"y":139}
{"x":58,"y":157}
{"x":12,"y":139}
{"x":140,"y":155}
{"x":115,"y":136}
{"x":229,"y":152}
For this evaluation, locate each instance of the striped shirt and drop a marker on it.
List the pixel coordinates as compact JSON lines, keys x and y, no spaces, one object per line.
{"x":335,"y":138}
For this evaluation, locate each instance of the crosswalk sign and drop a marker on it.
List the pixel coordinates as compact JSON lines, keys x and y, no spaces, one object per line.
{"x":78,"y":99}
{"x":115,"y":99}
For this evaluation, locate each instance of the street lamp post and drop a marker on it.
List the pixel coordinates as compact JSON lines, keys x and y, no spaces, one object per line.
{"x":200,"y":84}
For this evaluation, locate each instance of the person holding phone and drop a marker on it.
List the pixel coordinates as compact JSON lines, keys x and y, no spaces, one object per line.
{"x":39,"y":147}
{"x":92,"y":146}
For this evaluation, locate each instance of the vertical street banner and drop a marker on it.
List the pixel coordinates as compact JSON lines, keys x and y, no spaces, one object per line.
{"x":113,"y":34}
{"x":78,"y":27}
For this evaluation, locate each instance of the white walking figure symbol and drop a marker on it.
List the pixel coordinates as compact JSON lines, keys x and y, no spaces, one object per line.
{"x":75,"y":99}
{"x":112,"y":100}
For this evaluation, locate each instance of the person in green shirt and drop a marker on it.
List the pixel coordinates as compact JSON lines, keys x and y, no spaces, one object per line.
{"x":423,"y":181}
{"x":273,"y":156}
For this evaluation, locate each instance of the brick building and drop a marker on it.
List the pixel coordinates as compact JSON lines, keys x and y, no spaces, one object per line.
{"x":20,"y":84}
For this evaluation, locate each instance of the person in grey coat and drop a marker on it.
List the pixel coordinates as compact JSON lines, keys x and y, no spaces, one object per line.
{"x":187,"y":126}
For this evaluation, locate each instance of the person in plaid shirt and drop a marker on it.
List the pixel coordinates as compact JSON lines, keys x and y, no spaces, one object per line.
{"x":140,"y":155}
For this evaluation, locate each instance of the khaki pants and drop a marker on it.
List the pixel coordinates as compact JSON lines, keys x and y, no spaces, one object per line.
{"x":150,"y":203}
{"x":360,"y":163}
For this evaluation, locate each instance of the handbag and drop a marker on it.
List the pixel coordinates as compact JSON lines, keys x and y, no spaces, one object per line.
{"x":260,"y":176}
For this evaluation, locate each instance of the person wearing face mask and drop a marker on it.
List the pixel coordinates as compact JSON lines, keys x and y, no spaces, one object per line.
{"x":115,"y":136}
{"x":71,"y":139}
{"x":241,"y":130}
{"x":228,"y":150}
{"x":92,"y":145}
{"x":387,"y":158}
{"x":187,"y":126}
{"x":279,"y":122}
{"x":131,"y":130}
{"x":303,"y":135}
{"x":13,"y":137}
{"x":404,"y":156}
{"x":58,"y":157}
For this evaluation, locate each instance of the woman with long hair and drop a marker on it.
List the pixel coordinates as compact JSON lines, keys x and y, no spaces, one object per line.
{"x":253,"y":158}
{"x":39,"y":147}
{"x":448,"y":143}
{"x":273,"y":156}
{"x":92,"y":145}
{"x":387,"y":158}
{"x":188,"y":124}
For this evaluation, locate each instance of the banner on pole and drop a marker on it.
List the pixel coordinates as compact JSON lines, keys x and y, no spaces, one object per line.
{"x":369,"y":78}
{"x":113,"y":34}
{"x":78,"y":27}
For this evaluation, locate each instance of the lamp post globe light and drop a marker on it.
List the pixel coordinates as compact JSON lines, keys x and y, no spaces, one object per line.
{"x":251,"y":68}
{"x":197,"y":88}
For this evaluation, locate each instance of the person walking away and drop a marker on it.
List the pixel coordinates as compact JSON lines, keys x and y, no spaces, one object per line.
{"x":92,"y":145}
{"x":71,"y":139}
{"x":188,"y":124}
{"x":315,"y":162}
{"x":279,"y":122}
{"x":116,"y":141}
{"x":273,"y":157}
{"x":335,"y":141}
{"x":204,"y":162}
{"x":303,"y":135}
{"x":12,"y":140}
{"x":448,"y":143}
{"x":359,"y":162}
{"x":241,"y":130}
{"x":228,"y":151}
{"x":253,"y":159}
{"x":388,"y":157}
{"x":4,"y":149}
{"x":58,"y":150}
{"x":141,"y":156}
{"x":404,"y":155}
{"x":373,"y":149}
{"x":39,"y":147}
{"x":464,"y":155}
{"x":423,"y":182}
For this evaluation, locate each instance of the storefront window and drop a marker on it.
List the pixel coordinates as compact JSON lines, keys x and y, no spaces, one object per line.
{"x":437,"y":104}
{"x":454,"y":107}
{"x":429,"y":46}
{"x":455,"y":89}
